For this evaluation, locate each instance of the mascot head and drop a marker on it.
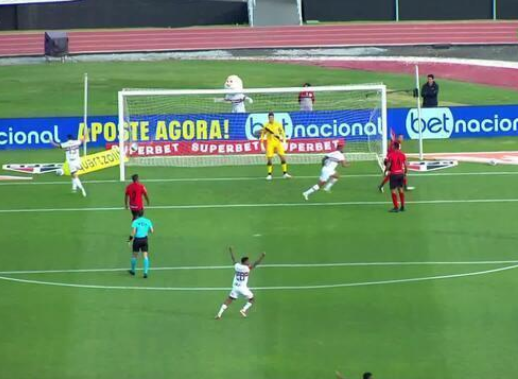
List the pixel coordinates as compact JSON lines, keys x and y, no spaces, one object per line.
{"x":234,"y":82}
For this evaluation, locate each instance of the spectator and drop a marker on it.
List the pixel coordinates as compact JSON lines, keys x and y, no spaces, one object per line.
{"x":306,"y":99}
{"x":429,"y":93}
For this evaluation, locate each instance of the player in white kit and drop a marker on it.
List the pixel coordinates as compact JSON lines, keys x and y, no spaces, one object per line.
{"x":240,"y":283}
{"x":237,"y":98}
{"x":328,"y":175}
{"x":71,"y":147}
{"x":238,"y":102}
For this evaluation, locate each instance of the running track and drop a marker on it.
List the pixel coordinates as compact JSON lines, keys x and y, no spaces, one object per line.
{"x":185,"y":39}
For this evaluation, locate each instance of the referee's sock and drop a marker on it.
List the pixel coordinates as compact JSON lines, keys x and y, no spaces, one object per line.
{"x":133,"y":264}
{"x":146,"y":265}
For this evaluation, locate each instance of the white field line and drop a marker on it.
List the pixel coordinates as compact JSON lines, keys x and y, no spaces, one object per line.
{"x":265,"y":205}
{"x":256,"y":178}
{"x":263,"y":266}
{"x":399,"y":59}
{"x":276,"y":288}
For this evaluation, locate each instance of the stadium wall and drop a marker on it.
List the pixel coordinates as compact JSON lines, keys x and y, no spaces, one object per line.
{"x":117,"y":14}
{"x":439,"y":123}
{"x":445,"y":9}
{"x":507,"y":9}
{"x":180,"y":13}
{"x":340,"y":10}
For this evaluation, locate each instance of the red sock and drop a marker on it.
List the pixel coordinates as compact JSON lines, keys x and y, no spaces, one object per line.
{"x":385,"y":180}
{"x":405,"y":181}
{"x":394,"y":200}
{"x":402,"y":198}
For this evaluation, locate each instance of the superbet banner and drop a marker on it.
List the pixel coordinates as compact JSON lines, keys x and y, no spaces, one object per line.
{"x":164,"y":149}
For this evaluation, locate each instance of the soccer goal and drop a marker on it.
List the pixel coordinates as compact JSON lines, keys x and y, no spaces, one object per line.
{"x":193,"y":128}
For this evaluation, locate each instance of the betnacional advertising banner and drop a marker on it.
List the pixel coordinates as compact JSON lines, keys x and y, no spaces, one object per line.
{"x":238,"y":132}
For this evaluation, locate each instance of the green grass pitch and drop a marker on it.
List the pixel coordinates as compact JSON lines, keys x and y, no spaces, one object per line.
{"x":401,"y":310}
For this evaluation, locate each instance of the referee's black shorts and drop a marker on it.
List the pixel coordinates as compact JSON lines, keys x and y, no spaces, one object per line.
{"x":140,"y":244}
{"x":397,"y":181}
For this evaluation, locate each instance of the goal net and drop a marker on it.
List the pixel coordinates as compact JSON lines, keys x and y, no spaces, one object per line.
{"x":194,"y":128}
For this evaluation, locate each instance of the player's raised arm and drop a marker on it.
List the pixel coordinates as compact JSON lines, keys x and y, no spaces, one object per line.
{"x":55,"y":144}
{"x":231,"y":251}
{"x":259,"y":260}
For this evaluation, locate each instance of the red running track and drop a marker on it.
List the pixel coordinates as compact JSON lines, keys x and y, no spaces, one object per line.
{"x":185,"y":39}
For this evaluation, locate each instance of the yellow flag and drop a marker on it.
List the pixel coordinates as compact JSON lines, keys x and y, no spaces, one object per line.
{"x":97,"y":161}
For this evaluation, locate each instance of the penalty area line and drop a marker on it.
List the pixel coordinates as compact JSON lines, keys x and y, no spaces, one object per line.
{"x":271,"y":265}
{"x":274,"y":288}
{"x":255,"y":178}
{"x":265,"y":205}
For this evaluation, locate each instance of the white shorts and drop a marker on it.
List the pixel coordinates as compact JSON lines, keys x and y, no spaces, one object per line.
{"x":74,"y":165}
{"x":325,"y":174}
{"x":243,"y":291}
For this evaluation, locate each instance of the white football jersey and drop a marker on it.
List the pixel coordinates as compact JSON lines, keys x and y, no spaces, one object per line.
{"x":71,"y":148}
{"x":241,"y":276}
{"x":238,"y":102}
{"x":332,"y":159}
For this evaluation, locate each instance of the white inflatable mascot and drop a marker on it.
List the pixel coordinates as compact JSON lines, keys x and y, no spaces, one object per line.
{"x":237,"y":99}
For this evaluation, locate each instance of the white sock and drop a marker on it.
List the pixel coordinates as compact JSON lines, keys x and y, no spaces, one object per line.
{"x":78,"y":184}
{"x":315,"y":188}
{"x":74,"y":185}
{"x":330,"y":184}
{"x":222,"y":309}
{"x":247,"y":306}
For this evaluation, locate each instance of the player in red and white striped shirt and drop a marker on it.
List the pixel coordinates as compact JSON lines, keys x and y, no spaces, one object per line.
{"x":306,"y":99}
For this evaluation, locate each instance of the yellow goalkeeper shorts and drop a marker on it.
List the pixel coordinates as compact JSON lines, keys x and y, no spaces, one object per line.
{"x":273,"y":148}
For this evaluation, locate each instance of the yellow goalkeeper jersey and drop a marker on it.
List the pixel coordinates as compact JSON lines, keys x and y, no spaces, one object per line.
{"x":273,"y":132}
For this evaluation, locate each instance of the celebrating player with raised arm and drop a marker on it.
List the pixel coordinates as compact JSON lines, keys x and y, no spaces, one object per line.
{"x":71,"y":147}
{"x":133,"y":196}
{"x":397,"y":169}
{"x":273,"y":140}
{"x":240,"y":283}
{"x":328,"y":175}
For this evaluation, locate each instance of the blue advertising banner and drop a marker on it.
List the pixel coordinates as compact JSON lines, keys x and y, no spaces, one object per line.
{"x":436,"y":123}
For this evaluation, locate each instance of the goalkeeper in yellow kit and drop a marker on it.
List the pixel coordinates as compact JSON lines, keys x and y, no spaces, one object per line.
{"x":273,"y":139}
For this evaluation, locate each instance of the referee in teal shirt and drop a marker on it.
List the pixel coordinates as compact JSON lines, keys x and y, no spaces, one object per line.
{"x":140,"y":229}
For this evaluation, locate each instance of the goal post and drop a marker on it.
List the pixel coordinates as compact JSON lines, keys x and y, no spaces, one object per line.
{"x":215,"y":127}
